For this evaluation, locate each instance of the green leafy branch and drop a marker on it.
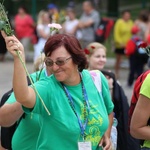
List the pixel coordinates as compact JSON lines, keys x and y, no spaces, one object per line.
{"x":6,"y":27}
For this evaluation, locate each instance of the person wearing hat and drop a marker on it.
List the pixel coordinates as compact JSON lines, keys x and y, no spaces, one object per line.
{"x":137,"y":56}
{"x":53,"y":12}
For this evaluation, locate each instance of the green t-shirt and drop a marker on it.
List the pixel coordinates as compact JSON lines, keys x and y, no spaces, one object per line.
{"x":145,"y":91}
{"x":60,"y":130}
{"x":26,"y":134}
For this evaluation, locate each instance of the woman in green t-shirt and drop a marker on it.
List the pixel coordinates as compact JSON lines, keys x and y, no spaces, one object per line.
{"x":78,"y":117}
{"x":139,"y":127}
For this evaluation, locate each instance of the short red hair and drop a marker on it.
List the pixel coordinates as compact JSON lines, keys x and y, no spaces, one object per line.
{"x":71,"y":44}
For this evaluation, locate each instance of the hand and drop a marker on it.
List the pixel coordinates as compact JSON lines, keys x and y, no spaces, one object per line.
{"x":105,"y":142}
{"x":80,"y":25}
{"x":13,"y":44}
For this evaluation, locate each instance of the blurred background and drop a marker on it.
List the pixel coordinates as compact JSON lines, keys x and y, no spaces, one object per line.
{"x":106,"y":8}
{"x":110,"y":8}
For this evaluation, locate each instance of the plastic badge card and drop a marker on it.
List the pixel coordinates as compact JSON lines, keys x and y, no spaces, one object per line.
{"x":84,"y":146}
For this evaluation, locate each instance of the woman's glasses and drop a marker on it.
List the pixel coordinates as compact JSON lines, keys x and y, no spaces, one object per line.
{"x":59,"y":62}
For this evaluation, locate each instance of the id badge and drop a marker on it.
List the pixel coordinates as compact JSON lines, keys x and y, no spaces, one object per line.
{"x":84,"y":146}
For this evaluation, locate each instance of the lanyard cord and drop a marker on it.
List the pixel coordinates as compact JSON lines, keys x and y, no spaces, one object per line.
{"x":86,"y":107}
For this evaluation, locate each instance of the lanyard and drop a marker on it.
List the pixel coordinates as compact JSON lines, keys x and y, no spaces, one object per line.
{"x":86,"y":104}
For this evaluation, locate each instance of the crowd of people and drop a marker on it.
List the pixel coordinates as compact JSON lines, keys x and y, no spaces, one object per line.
{"x":71,"y":100}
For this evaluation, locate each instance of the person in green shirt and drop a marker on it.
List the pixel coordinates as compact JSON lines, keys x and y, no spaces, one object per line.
{"x":73,"y":114}
{"x":138,"y":127}
{"x":29,"y":125}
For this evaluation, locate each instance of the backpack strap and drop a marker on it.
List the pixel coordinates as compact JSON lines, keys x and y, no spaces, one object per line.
{"x":95,"y":74}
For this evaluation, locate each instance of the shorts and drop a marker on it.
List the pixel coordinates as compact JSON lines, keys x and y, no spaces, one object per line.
{"x":119,"y":51}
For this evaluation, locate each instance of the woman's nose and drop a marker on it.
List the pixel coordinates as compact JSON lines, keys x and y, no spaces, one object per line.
{"x":55,"y":67}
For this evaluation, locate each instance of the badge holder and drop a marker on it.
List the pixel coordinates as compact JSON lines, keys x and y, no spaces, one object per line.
{"x":84,"y":145}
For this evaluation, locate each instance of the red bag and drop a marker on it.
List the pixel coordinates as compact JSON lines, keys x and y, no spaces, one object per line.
{"x":103,"y":30}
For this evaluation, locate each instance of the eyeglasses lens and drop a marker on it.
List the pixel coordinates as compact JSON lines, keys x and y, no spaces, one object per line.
{"x":49,"y":62}
{"x":60,"y":62}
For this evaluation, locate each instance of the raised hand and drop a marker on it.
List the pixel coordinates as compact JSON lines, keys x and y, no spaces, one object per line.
{"x":13,"y":45}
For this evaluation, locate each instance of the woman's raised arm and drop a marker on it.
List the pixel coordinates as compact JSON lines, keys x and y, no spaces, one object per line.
{"x":24,"y":94}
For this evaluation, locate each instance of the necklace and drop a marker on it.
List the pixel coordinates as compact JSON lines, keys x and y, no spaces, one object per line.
{"x":86,"y":107}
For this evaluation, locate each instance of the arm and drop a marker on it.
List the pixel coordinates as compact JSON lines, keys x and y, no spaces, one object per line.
{"x":10,"y":113}
{"x":147,"y":34}
{"x":110,"y":116}
{"x":93,"y":20}
{"x":105,"y":140}
{"x":24,"y":94}
{"x":85,"y":24}
{"x":141,"y":115}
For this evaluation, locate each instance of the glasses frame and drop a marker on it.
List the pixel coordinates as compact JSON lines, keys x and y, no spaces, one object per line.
{"x":56,"y":62}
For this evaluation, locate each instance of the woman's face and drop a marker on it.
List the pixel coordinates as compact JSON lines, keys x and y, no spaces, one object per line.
{"x":66,"y":72}
{"x":71,"y":15}
{"x":97,"y":59}
{"x":46,"y":18}
{"x":126,"y":16}
{"x":21,"y":11}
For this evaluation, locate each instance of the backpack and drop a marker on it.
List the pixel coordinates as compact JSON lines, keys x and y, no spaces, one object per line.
{"x":140,"y":53}
{"x":103,"y":30}
{"x":7,"y":132}
{"x":135,"y":97}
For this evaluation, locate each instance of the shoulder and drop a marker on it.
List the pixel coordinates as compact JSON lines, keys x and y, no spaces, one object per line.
{"x":46,"y":85}
{"x":94,"y":13}
{"x":97,"y":75}
{"x":17,"y":19}
{"x":92,"y":72}
{"x":16,"y":16}
{"x":119,"y":21}
{"x":118,"y":24}
{"x":146,"y":86}
{"x":45,"y":81}
{"x":29,"y":16}
{"x":147,"y":79}
{"x":130,"y":22}
{"x":38,"y":75}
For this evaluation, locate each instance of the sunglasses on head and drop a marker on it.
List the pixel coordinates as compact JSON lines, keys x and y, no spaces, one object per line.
{"x":59,"y":62}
